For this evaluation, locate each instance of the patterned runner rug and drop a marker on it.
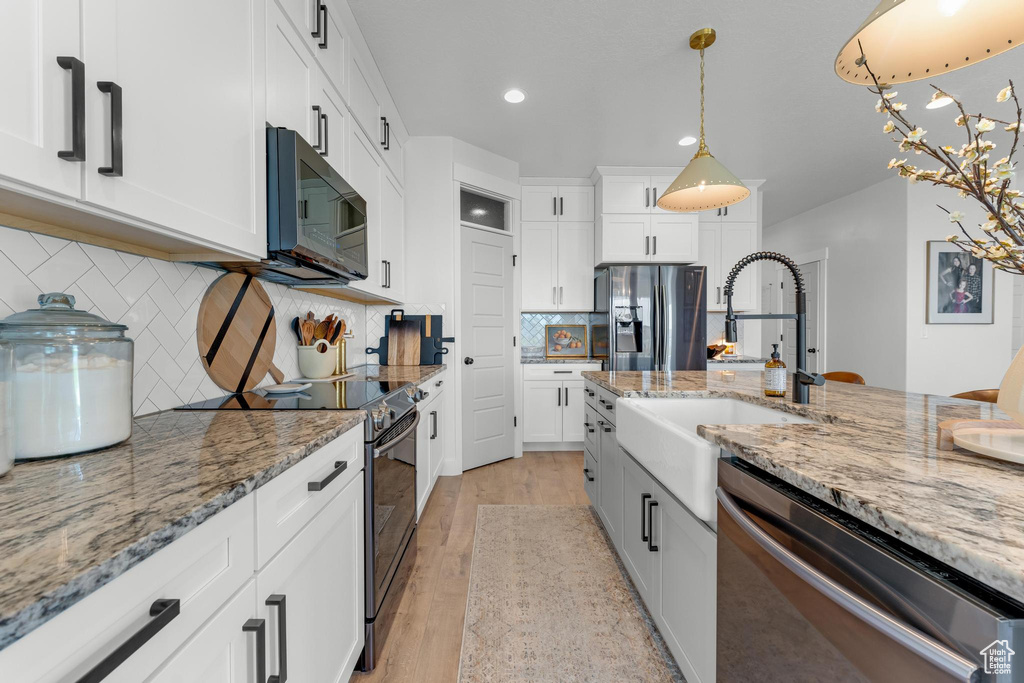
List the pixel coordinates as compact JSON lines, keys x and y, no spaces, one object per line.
{"x":548,"y":602}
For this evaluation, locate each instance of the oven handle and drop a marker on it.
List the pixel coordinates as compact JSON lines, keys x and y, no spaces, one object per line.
{"x":926,"y":648}
{"x":377,"y":452}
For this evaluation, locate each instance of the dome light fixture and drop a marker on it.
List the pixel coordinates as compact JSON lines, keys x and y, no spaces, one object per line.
{"x":907,"y":40}
{"x":514,"y":95}
{"x":705,"y":183}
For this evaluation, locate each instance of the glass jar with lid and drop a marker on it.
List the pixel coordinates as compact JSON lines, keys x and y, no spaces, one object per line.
{"x":72,"y":379}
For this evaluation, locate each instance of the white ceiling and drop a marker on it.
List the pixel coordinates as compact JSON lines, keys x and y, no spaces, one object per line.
{"x":614,"y":82}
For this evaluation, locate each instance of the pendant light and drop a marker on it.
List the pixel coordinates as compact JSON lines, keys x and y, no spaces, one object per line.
{"x":705,"y":183}
{"x":907,"y":40}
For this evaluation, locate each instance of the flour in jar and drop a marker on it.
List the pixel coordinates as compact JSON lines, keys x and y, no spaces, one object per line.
{"x":70,"y":402}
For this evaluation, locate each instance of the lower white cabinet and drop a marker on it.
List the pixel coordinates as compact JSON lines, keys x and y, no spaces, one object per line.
{"x":315,"y":588}
{"x":429,"y":441}
{"x":609,"y":468}
{"x":553,"y":411}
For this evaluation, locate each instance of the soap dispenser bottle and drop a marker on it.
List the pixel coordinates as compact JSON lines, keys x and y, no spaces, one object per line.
{"x":775,"y":374}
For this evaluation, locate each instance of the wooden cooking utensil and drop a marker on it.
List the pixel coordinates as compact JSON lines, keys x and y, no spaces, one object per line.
{"x":320,"y":332}
{"x":307,"y":332}
{"x":404,"y":342}
{"x":236,"y":333}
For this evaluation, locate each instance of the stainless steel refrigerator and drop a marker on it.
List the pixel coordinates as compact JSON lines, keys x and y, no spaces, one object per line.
{"x":651,"y":317}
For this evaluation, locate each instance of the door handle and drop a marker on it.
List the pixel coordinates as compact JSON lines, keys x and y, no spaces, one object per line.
{"x":559,"y":392}
{"x":278,"y":601}
{"x":718,"y":295}
{"x":654,"y":241}
{"x":590,"y":430}
{"x":554,"y":295}
{"x":919,"y":643}
{"x":77,"y":69}
{"x":327,"y":126}
{"x":812,"y":350}
{"x":389,"y":274}
{"x":561,"y":206}
{"x":339,"y":467}
{"x":433,"y":424}
{"x":647,"y":197}
{"x":654,"y":196}
{"x":383,"y":273}
{"x":561,"y":295}
{"x":319,"y":127}
{"x":554,"y":206}
{"x":387,"y":135}
{"x":163,"y":612}
{"x":566,"y":396}
{"x":647,"y":245}
{"x":726,"y":211}
{"x":468,"y":361}
{"x":586,"y":473}
{"x":650,"y":526}
{"x":319,"y":26}
{"x":323,"y":39}
{"x":259,"y":627}
{"x":644,"y":497}
{"x":116,"y":168}
{"x":383,"y":130}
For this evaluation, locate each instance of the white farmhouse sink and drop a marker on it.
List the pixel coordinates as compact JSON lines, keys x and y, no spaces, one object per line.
{"x":661,"y":434}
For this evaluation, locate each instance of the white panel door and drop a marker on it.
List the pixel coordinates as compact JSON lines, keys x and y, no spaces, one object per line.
{"x":436,"y":415}
{"x":709,"y":255}
{"x":674,"y":238}
{"x":422,"y":463}
{"x":576,"y":203}
{"x":487,"y":330}
{"x":637,"y":491}
{"x":332,"y":129}
{"x":320,"y":575}
{"x":330,"y":46}
{"x":610,"y":456}
{"x":625,"y":194}
{"x":575,"y":267}
{"x":219,"y":652}
{"x":539,"y":203}
{"x":624,"y":239}
{"x":741,"y":212}
{"x":191,"y":78}
{"x":393,"y":235}
{"x":364,"y":174}
{"x":660,"y":183}
{"x":36,"y":115}
{"x":572,"y":410}
{"x":542,"y":411}
{"x":362,"y":100}
{"x":739,"y":240}
{"x":539,"y":259}
{"x":291,"y":78}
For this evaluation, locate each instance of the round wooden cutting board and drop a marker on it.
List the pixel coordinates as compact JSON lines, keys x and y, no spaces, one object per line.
{"x":236,"y":333}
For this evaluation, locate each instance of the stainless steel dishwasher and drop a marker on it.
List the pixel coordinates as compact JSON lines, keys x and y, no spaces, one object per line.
{"x":809,"y":593}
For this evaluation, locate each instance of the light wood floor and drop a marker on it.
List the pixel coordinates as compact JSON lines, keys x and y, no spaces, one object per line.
{"x":426,"y":640}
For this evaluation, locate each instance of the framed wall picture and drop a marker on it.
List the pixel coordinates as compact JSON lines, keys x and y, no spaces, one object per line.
{"x":959,"y":286}
{"x":565,"y":341}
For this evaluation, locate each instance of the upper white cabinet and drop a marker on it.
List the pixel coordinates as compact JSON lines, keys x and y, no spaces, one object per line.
{"x":742,"y":212}
{"x":292,"y":77}
{"x":639,"y":238}
{"x":558,"y":203}
{"x":558,"y":266}
{"x":44,"y":84}
{"x":632,"y":193}
{"x":319,"y":25}
{"x":722,"y":245}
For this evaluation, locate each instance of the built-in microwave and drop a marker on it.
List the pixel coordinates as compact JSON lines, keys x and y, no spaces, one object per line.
{"x":316,"y":222}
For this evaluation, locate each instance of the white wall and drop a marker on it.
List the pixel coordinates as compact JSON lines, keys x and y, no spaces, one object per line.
{"x":947,"y":359}
{"x":866,"y":305}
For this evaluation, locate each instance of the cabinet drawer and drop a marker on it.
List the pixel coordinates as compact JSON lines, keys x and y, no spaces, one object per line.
{"x":558,"y":371}
{"x":202,"y":570}
{"x":432,"y":388}
{"x":590,"y":394}
{"x":286,"y":504}
{"x":590,"y":475}
{"x":605,"y":404}
{"x":590,"y":426}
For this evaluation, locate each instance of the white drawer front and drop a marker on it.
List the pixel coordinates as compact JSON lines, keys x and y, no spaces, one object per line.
{"x":286,"y":504}
{"x":202,"y":570}
{"x":558,"y":370}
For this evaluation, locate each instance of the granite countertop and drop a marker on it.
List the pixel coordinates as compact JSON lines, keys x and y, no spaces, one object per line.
{"x":557,"y":361}
{"x":399,"y":374}
{"x":737,"y":359}
{"x":873,"y":455}
{"x":70,"y":525}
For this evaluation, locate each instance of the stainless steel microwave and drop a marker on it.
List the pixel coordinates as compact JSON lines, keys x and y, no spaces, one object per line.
{"x":316,"y":222}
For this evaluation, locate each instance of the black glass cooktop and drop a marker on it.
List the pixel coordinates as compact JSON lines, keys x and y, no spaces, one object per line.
{"x":344,"y":395}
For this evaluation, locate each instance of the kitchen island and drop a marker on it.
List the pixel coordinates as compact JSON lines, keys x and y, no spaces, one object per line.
{"x":872,"y":453}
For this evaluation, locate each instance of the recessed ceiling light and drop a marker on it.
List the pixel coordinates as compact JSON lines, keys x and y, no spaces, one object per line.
{"x":688,"y":140}
{"x":515,"y":96}
{"x":939,"y":101}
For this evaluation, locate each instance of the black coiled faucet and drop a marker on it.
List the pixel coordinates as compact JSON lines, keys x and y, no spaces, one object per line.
{"x":801,"y":378}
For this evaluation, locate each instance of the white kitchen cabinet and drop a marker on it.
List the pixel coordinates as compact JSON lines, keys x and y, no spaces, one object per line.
{"x":572,"y":410}
{"x":292,"y":76}
{"x":638,"y":490}
{"x":590,"y":475}
{"x":722,"y":245}
{"x":573,"y":203}
{"x":221,"y":651}
{"x":145,"y":158}
{"x":632,"y":193}
{"x":319,"y":27}
{"x":660,"y":183}
{"x":333,"y":126}
{"x":364,"y":175}
{"x":37,"y":115}
{"x":741,"y":212}
{"x":554,"y":404}
{"x":542,"y":411}
{"x":392,"y":236}
{"x":609,"y":467}
{"x":422,"y":463}
{"x":320,"y":576}
{"x":674,"y":238}
{"x":363,"y":101}
{"x":393,"y":141}
{"x":436,"y":416}
{"x":429,"y":440}
{"x":557,"y":261}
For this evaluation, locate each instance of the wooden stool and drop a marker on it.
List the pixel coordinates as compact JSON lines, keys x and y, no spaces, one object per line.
{"x":986,"y":395}
{"x":842,"y":376}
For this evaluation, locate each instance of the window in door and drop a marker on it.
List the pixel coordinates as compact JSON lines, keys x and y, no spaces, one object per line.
{"x":479,"y":209}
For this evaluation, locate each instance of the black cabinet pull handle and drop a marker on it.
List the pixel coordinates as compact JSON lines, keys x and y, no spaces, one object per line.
{"x":650,"y":525}
{"x":586,"y":473}
{"x":77,"y":69}
{"x":643,"y":517}
{"x":163,"y":612}
{"x":562,"y":372}
{"x":561,"y":206}
{"x":383,"y":130}
{"x":323,"y":39}
{"x":647,"y":196}
{"x":316,"y":11}
{"x":589,"y":392}
{"x":259,"y":627}
{"x":339,"y":467}
{"x":278,"y":601}
{"x":433,"y":424}
{"x":654,"y":241}
{"x":566,"y":397}
{"x":554,"y":206}
{"x":327,"y":127}
{"x":116,"y":168}
{"x":387,"y":134}
{"x":559,"y":393}
{"x":319,"y":127}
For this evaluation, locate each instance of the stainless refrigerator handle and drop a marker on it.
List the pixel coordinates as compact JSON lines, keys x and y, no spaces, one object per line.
{"x":926,"y":648}
{"x":663,"y":308}
{"x":655,"y":328}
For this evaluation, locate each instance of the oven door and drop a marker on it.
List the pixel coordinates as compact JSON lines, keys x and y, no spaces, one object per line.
{"x":392,"y":505}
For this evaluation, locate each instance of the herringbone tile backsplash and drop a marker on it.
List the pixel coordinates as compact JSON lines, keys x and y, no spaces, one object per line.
{"x":159,"y":302}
